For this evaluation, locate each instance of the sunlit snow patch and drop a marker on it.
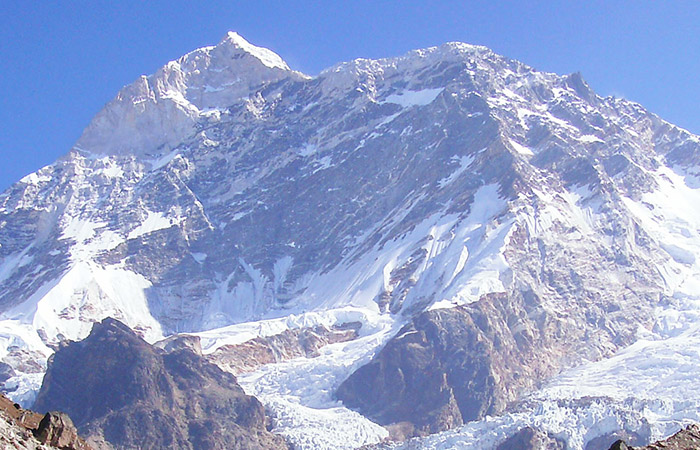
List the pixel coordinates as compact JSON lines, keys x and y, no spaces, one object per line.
{"x":520,"y":148}
{"x":154,"y":222}
{"x":671,"y":215}
{"x":414,"y":98}
{"x":468,"y":249}
{"x":464,"y":162}
{"x":590,"y":138}
{"x":89,"y":237}
{"x":267,"y":57}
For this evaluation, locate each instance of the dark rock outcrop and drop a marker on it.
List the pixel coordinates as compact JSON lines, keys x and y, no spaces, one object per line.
{"x":6,"y":372}
{"x":56,"y":429}
{"x":129,"y":394}
{"x":686,"y":439}
{"x":530,"y":438}
{"x":450,"y":366}
{"x":629,"y":438}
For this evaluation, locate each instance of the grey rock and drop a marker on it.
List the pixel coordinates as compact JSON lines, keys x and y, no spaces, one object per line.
{"x":623,"y":437}
{"x":180,"y":342}
{"x":6,"y":372}
{"x":529,"y":438}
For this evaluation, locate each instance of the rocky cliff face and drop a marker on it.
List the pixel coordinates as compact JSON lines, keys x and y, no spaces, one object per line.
{"x":396,"y":159}
{"x":123,"y":393}
{"x":451,"y":366}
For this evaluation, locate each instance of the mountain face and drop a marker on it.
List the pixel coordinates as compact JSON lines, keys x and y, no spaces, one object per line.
{"x":450,"y":366}
{"x":449,"y":189}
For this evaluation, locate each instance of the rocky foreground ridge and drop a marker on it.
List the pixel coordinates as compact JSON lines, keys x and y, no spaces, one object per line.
{"x":22,"y":429}
{"x":686,"y":439}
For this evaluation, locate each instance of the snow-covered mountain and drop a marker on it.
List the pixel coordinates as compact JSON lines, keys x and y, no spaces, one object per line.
{"x":232,"y":197}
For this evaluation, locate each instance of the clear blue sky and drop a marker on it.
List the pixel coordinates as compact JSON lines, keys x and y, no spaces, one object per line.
{"x":61,"y":61}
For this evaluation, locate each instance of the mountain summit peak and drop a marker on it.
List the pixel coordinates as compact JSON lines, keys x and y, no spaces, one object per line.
{"x":154,"y":113}
{"x":266,"y":56}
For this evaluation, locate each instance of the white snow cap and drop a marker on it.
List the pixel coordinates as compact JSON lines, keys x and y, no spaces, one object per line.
{"x":155,"y":113}
{"x":266,"y":56}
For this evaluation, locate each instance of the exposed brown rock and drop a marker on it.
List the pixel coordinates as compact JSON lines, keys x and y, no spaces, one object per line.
{"x":450,"y":366}
{"x":686,"y":439}
{"x":23,"y":417}
{"x":250,"y":355}
{"x":56,"y":429}
{"x":24,"y":429}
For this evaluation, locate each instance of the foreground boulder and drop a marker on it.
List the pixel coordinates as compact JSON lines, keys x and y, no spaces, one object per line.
{"x":57,"y":430}
{"x":124,"y":393}
{"x":24,"y":429}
